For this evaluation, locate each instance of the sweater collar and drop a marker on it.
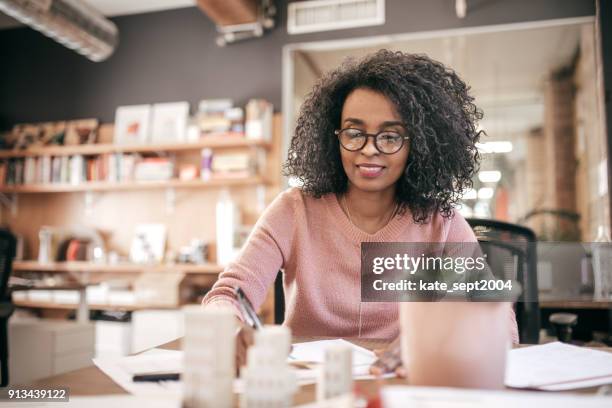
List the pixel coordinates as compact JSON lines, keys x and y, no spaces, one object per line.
{"x":388,"y":233}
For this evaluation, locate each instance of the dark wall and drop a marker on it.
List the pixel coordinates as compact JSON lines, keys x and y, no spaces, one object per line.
{"x":171,"y":55}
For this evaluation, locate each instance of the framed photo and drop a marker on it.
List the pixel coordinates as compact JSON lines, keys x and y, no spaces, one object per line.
{"x":132,"y":124}
{"x":148,"y":244}
{"x":169,"y":122}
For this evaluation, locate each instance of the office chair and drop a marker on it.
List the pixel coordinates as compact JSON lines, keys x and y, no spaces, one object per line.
{"x":7,"y":253}
{"x":511,"y":253}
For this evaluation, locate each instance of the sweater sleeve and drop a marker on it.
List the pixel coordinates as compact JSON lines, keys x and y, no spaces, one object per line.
{"x":260,"y":259}
{"x":460,"y":231}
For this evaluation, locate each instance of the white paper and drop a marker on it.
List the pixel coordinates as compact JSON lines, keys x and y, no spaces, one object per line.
{"x":436,"y":397}
{"x":314,"y":352}
{"x":574,"y":385}
{"x":109,"y":401}
{"x":557,"y":364}
{"x":122,"y":369}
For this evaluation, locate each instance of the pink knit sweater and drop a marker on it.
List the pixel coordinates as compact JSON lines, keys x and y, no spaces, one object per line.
{"x":319,"y":250}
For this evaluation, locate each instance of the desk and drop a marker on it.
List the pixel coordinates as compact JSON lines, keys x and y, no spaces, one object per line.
{"x":580,"y":302}
{"x":91,"y":381}
{"x":598,"y":313}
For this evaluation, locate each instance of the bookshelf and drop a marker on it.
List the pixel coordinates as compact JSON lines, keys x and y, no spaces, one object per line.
{"x":118,"y":207}
{"x":226,"y":141}
{"x":31,"y":304}
{"x":132,"y":185}
{"x":127,"y":268}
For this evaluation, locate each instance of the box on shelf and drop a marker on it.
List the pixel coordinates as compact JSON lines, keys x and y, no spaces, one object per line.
{"x":113,"y":338}
{"x":154,"y":169}
{"x":158,"y":288}
{"x":40,"y":348}
{"x":259,"y":114}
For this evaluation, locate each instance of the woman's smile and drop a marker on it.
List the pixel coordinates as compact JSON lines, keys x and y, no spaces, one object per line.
{"x":370,"y":170}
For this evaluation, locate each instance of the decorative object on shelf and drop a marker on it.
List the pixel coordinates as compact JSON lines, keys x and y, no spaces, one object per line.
{"x":227,"y":222}
{"x":81,"y":132}
{"x":78,"y":249}
{"x":169,"y":122}
{"x":196,"y":252}
{"x":206,"y":164}
{"x":188,"y":172}
{"x":259,"y":119}
{"x":132,"y":124}
{"x":53,"y":133}
{"x":70,"y":243}
{"x":149,"y":243}
{"x":45,"y":246}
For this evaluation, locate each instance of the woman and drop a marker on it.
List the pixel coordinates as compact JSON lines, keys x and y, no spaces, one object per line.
{"x":383,"y":149}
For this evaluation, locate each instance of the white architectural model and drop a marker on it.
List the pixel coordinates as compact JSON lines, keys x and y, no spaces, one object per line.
{"x":209,"y":353}
{"x":269,"y":382}
{"x":336,"y":375}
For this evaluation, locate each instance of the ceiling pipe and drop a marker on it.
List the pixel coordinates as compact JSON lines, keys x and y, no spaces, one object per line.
{"x":71,"y":23}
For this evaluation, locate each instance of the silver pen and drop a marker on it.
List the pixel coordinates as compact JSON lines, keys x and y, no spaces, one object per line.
{"x":247,"y":309}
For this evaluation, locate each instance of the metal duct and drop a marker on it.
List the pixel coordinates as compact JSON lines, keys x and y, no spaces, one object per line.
{"x":72,"y":23}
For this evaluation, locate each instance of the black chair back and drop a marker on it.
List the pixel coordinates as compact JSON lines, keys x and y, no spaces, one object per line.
{"x":8,"y":245}
{"x":511,"y":254}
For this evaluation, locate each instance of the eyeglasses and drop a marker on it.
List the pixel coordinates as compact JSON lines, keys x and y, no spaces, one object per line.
{"x":386,"y":142}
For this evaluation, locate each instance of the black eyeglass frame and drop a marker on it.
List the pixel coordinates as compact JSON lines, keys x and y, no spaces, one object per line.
{"x":367,"y":136}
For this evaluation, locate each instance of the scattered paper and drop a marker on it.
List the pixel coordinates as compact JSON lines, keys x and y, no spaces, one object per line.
{"x":558,"y":366}
{"x":314,"y":352}
{"x":108,"y":401}
{"x":122,"y":369}
{"x":397,"y":396}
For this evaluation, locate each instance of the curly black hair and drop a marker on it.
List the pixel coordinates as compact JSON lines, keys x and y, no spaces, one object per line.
{"x":441,"y":120}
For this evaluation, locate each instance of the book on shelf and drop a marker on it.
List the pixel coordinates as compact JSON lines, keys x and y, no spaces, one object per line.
{"x":56,"y":170}
{"x":3,"y":171}
{"x":29,"y":170}
{"x":76,"y":169}
{"x":154,"y":169}
{"x":46,"y":169}
{"x":232,"y":162}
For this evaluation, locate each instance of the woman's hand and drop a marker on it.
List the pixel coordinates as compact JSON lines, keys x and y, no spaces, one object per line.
{"x":389,"y":360}
{"x":244,"y":339}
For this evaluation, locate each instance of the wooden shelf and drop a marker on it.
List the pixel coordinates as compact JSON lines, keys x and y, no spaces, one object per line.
{"x":73,"y":306}
{"x":229,"y":141}
{"x":86,"y":267}
{"x":132,"y":185}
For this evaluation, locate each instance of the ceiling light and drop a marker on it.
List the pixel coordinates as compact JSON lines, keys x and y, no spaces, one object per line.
{"x":495,"y":147}
{"x":490,"y":176}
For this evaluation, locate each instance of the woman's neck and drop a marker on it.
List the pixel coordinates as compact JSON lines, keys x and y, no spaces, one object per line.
{"x":370,"y":211}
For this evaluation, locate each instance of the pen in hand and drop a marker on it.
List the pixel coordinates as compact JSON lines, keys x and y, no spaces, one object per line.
{"x":246,"y":308}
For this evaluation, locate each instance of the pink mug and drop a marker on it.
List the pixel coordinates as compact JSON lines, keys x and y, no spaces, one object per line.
{"x":455,"y":344}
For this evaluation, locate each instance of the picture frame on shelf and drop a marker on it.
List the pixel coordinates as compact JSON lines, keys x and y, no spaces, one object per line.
{"x":132,"y":124}
{"x":148,"y":244}
{"x":169,"y":122}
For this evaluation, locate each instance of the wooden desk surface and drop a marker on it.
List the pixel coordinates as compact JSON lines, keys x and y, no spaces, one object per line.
{"x":92,"y":381}
{"x":586,"y":303}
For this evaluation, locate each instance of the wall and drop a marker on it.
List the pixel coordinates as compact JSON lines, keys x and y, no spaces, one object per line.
{"x":171,"y":55}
